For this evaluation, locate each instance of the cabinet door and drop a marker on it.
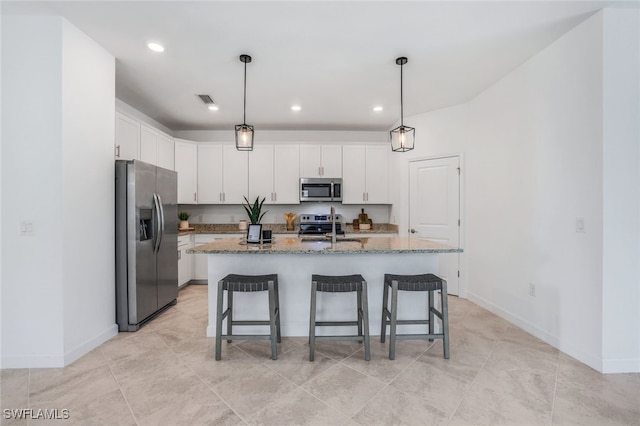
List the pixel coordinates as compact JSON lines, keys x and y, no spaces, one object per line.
{"x":331,"y":161}
{"x":310,"y":156}
{"x":186,"y":164}
{"x":127,"y":138}
{"x":235,"y":175}
{"x":286,"y":174}
{"x":377,"y":174}
{"x":210,"y":174}
{"x":166,"y":152}
{"x":201,"y":261}
{"x":261,"y":173}
{"x":148,"y":145}
{"x":353,"y":174}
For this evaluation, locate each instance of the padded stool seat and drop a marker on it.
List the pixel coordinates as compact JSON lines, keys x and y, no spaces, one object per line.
{"x":423,"y":282}
{"x":340,"y":284}
{"x":248,"y":283}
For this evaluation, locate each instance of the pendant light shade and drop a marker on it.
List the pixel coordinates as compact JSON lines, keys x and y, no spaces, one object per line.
{"x":244,"y":131}
{"x":402,"y":137}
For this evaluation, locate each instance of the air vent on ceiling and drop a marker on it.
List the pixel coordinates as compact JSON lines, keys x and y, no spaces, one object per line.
{"x":206,"y":99}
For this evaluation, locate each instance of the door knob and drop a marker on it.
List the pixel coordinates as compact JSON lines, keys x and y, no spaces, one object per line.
{"x":413,"y":231}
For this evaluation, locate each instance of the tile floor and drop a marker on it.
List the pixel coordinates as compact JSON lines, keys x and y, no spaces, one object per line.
{"x":165,"y":374}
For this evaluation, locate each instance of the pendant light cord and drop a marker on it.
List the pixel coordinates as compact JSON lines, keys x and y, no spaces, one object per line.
{"x":401,"y":100}
{"x":244,"y":109}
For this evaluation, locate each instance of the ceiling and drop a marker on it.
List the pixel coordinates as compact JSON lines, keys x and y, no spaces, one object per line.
{"x":336,"y":59}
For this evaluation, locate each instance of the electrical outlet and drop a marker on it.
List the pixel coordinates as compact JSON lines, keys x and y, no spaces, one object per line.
{"x":532,"y":289}
{"x":580,"y":225}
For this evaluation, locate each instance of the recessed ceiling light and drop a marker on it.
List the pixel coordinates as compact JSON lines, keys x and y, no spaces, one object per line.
{"x":377,"y":108}
{"x":296,"y":108}
{"x":156,"y":47}
{"x":213,"y":107}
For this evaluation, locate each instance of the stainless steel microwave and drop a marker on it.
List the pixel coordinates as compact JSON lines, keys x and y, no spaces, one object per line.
{"x":320,"y":189}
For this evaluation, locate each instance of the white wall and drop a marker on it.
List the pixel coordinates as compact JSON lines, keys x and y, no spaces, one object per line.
{"x":57,"y":285}
{"x":621,"y":160}
{"x":32,"y":292}
{"x":533,"y":148}
{"x":88,"y":102}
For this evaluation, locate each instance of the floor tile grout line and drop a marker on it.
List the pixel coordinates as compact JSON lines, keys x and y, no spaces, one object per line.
{"x":28,"y":393}
{"x":126,"y":400}
{"x":453,"y":413}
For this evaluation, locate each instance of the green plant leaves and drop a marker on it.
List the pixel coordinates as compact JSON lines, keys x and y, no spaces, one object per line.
{"x":254,"y":210}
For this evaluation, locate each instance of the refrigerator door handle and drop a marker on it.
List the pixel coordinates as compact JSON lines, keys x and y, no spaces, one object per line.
{"x":157,"y":225}
{"x":161,"y":220}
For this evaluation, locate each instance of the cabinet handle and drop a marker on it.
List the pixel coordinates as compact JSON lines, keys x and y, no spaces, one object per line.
{"x":195,"y":196}
{"x":220,"y":196}
{"x":224,"y":196}
{"x":117,"y":151}
{"x":275,"y":196}
{"x":363,"y":197}
{"x":319,"y":171}
{"x":367,"y":196}
{"x":179,"y":254}
{"x":322,"y":170}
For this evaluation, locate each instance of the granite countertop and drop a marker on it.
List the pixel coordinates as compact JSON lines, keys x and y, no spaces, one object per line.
{"x":316,"y":245}
{"x":278,"y":228}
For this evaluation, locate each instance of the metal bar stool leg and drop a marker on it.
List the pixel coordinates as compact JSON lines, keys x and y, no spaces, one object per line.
{"x":359,"y":311}
{"x":272,"y":321}
{"x":364,"y":303}
{"x":394,"y":318}
{"x":430,"y":313}
{"x":385,"y":302}
{"x":312,"y":322}
{"x":445,"y":319}
{"x":278,"y":309}
{"x":230,"y":314}
{"x":219,"y":321}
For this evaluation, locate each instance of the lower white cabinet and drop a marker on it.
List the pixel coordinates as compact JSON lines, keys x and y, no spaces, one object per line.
{"x":185,"y":261}
{"x":201,"y":260}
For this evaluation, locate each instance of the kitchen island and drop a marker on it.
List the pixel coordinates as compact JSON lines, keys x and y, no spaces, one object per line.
{"x":296,"y":259}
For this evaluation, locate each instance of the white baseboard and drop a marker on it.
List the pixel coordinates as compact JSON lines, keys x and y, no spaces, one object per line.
{"x":59,"y":361}
{"x":629,"y":365}
{"x":561,"y":344}
{"x":90,"y":345}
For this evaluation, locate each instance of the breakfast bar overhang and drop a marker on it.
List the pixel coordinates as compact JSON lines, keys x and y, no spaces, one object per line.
{"x":296,"y":259}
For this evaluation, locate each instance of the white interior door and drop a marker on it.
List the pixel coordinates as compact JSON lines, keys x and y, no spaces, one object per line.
{"x":434,"y":210}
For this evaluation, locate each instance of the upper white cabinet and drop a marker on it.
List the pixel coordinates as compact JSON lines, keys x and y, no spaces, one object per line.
{"x":186,"y":164}
{"x":365,"y":174}
{"x":320,"y":161}
{"x":127,"y":138}
{"x":274,"y":174}
{"x":223,"y":176}
{"x":156,"y":148}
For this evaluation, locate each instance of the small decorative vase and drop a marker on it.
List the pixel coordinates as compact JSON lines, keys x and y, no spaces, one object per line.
{"x":290,"y":217}
{"x":184,"y":224}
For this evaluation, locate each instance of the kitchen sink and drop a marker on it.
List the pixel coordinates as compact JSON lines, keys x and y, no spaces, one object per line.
{"x":328,"y":240}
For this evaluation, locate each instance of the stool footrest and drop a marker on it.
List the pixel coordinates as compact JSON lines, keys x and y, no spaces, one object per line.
{"x":336,"y":323}
{"x":245,"y":337}
{"x":409,"y":322}
{"x":419,"y":336}
{"x":352,"y":337}
{"x":249,"y":322}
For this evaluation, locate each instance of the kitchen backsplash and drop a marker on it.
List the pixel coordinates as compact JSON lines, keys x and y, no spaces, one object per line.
{"x":275,"y":213}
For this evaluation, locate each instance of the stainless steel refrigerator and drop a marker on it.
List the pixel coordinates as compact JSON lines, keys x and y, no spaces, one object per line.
{"x":146,"y":242}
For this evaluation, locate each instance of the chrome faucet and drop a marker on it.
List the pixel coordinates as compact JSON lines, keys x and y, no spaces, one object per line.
{"x":333,"y":224}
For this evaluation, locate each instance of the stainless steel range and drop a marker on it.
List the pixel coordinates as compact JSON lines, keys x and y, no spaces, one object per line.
{"x":319,"y":224}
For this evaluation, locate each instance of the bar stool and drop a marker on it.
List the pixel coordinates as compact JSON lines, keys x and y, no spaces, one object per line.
{"x":425,"y":282}
{"x":248,"y":283}
{"x":340,"y":284}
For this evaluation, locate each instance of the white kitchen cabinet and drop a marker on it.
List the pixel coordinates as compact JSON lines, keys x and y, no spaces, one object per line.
{"x":156,"y":148}
{"x":127,"y":137}
{"x":223,"y":174}
{"x":365,"y":174}
{"x":166,"y":152}
{"x":185,"y":261}
{"x":320,"y":161}
{"x":274,"y":174}
{"x":186,"y":164}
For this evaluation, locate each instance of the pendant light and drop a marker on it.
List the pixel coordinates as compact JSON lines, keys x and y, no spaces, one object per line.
{"x":244,"y":131}
{"x":402,"y":137}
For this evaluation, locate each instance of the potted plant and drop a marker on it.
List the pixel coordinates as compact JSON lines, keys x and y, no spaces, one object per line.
{"x":254,"y":210}
{"x":184,"y":220}
{"x":364,"y":224}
